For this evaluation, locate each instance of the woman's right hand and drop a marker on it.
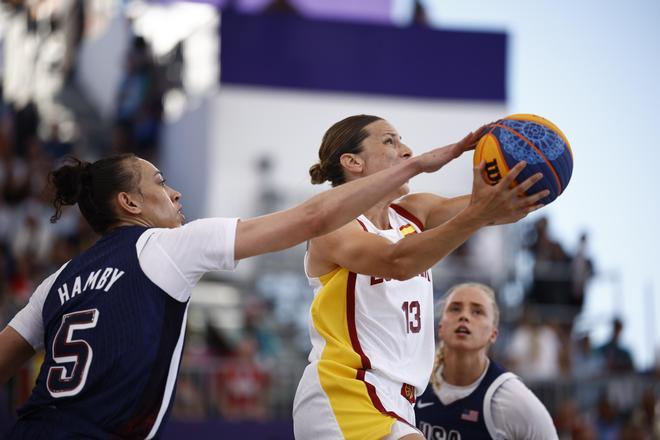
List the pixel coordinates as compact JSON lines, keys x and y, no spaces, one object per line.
{"x":504,"y":202}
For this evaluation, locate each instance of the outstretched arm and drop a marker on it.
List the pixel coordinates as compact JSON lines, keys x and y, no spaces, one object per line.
{"x":369,"y":254}
{"x":14,"y":353}
{"x":433,"y":210}
{"x":334,"y":208}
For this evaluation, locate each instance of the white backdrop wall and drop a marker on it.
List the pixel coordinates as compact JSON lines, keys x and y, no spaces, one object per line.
{"x":248,"y":122}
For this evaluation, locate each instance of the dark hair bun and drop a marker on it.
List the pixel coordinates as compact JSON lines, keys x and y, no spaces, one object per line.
{"x":317,"y":174}
{"x":68,"y":181}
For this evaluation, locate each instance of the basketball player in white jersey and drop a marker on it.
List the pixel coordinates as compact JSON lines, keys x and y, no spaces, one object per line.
{"x":371,"y":320}
{"x":470,"y":396}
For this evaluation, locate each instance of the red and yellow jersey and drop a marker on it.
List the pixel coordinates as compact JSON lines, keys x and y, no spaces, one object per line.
{"x":372,"y":331}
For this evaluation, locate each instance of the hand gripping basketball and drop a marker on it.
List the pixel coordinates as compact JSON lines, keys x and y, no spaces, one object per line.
{"x":504,"y":202}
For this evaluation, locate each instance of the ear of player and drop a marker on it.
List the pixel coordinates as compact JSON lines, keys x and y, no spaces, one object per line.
{"x":533,"y":139}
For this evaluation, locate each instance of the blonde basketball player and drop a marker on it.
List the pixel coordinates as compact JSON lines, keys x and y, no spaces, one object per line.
{"x":371,"y":321}
{"x":471,"y":397}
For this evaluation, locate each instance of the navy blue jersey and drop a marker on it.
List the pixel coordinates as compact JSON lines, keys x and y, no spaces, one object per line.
{"x":113,"y":342}
{"x":461,"y":419}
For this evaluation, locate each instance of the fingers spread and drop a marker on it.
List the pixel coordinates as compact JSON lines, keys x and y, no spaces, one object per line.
{"x":530,"y":181}
{"x":483,"y":129}
{"x":513,"y":173}
{"x":479,"y":172}
{"x":530,"y":200}
{"x":469,"y":142}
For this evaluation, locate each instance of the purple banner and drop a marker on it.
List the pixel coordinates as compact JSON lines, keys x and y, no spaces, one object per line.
{"x":286,"y":50}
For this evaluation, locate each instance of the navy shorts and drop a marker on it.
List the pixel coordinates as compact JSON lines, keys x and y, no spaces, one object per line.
{"x":51,"y":424}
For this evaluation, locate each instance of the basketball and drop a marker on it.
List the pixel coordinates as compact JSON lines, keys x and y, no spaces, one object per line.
{"x":533,"y":139}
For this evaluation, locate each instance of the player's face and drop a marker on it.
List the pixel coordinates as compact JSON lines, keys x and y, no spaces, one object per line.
{"x":468,"y":320}
{"x":161,"y":206}
{"x":383,"y":149}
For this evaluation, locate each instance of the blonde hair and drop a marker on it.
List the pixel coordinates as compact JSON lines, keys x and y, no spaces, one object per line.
{"x":439,"y":354}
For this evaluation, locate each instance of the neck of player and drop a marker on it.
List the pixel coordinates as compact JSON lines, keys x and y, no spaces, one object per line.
{"x":463,"y":368}
{"x":379,"y":214}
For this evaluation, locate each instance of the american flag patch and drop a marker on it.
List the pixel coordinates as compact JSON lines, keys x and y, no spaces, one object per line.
{"x":470,"y":415}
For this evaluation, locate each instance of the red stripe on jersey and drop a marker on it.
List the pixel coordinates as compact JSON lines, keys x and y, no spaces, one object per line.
{"x":362,"y":224}
{"x":350,"y":315}
{"x":407,"y":215}
{"x":376,"y":400}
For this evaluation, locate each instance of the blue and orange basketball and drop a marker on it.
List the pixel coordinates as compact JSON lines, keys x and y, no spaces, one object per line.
{"x":533,"y":139}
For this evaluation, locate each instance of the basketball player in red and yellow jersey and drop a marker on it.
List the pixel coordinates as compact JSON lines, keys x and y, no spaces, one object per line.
{"x":371,"y":320}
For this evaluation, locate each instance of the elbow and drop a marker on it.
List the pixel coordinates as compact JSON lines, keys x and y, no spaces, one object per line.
{"x":399,"y":269}
{"x":395,"y":274}
{"x":402,"y":275}
{"x":399,"y":277}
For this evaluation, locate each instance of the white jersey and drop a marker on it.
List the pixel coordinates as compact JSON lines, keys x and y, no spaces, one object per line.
{"x":375,"y":331}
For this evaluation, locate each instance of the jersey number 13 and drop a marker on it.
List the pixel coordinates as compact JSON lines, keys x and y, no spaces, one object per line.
{"x":412,"y":311}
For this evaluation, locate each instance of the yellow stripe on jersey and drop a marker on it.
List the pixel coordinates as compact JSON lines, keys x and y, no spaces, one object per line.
{"x":407,"y":229}
{"x":355,"y":413}
{"x":330,"y":320}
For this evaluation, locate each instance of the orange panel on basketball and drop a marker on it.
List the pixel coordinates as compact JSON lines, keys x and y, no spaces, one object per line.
{"x":488,"y":150}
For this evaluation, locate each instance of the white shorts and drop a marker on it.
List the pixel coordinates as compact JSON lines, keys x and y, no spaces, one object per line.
{"x":332,"y":403}
{"x":399,"y":429}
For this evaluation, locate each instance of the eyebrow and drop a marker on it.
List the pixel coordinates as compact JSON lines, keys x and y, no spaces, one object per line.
{"x":389,"y":133}
{"x":460,"y":303}
{"x":158,"y":172}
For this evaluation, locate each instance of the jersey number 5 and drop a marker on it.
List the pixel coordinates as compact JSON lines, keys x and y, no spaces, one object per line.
{"x":66,"y":350}
{"x":412,"y":310}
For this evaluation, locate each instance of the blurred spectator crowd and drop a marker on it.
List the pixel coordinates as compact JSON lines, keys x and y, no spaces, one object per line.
{"x":592,"y":390}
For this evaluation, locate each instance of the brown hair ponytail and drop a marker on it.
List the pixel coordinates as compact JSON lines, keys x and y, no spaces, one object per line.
{"x":343,"y":137}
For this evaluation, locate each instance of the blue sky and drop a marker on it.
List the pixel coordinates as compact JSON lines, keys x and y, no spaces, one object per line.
{"x":593,"y":68}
